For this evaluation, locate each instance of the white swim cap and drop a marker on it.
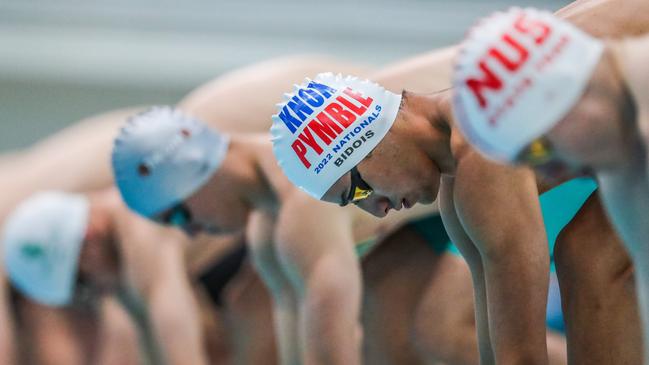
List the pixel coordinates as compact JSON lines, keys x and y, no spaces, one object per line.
{"x":327,"y":126}
{"x":42,"y":240}
{"x":517,"y":74}
{"x":162,"y":156}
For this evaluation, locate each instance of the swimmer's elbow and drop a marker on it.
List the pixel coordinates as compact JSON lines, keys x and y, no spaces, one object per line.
{"x":516,"y":243}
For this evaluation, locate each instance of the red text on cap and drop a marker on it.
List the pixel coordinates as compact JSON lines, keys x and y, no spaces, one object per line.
{"x":535,"y":29}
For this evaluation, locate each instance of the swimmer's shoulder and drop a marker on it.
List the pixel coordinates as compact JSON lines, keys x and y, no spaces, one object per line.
{"x":632,"y":57}
{"x":268,"y":167}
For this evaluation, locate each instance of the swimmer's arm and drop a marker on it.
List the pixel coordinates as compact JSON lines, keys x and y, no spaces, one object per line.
{"x":608,"y":18}
{"x":118,"y":335}
{"x":156,"y":269}
{"x":470,"y":253}
{"x":259,"y":236}
{"x":173,"y":310}
{"x":315,"y":243}
{"x":53,"y":338}
{"x":499,"y":210}
{"x":7,"y":330}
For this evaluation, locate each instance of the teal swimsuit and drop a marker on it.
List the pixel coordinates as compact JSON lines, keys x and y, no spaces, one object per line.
{"x":558,"y":206}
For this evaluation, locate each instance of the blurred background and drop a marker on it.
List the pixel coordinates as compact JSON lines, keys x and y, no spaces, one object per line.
{"x":63,"y":60}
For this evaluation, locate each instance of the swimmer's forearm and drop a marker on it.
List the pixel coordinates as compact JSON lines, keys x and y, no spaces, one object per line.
{"x":53,"y":339}
{"x":285,"y":320}
{"x":472,"y":256}
{"x":265,"y":258}
{"x":316,"y":246}
{"x":176,"y":323}
{"x":517,"y":292}
{"x":7,"y":329}
{"x":609,"y":18}
{"x":330,"y":313}
{"x":506,"y":225}
{"x":7,"y":351}
{"x":118,"y":335}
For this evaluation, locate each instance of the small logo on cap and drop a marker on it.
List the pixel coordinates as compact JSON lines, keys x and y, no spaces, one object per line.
{"x":143,"y":170}
{"x":32,"y":250}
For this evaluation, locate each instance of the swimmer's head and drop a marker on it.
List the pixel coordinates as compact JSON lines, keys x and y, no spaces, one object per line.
{"x":41,"y":243}
{"x":170,"y":167}
{"x":517,"y":75}
{"x":338,"y":138}
{"x":58,"y":246}
{"x":162,"y":156}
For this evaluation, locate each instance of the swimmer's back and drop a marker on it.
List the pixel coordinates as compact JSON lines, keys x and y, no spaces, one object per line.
{"x":78,"y":158}
{"x":244,"y":100}
{"x":75,"y":159}
{"x":425,"y":73}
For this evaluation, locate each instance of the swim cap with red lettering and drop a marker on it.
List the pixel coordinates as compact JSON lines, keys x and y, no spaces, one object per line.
{"x":517,"y":74}
{"x":327,"y":126}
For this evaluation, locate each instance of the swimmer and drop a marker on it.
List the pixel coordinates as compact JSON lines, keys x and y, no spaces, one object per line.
{"x":389,"y":152}
{"x":593,"y":119}
{"x":61,"y":249}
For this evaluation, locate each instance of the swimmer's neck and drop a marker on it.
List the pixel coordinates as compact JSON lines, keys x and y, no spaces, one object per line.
{"x":251,"y":153}
{"x":105,"y":205}
{"x":430,"y":126}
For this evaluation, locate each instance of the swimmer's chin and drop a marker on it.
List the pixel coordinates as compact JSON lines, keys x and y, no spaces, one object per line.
{"x":428,"y":198}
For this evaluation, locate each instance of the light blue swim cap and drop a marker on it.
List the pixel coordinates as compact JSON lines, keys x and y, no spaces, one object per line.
{"x":162,"y":156}
{"x":41,"y":243}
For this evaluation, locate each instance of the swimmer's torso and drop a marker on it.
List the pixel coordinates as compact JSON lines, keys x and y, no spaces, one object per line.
{"x":243,"y":100}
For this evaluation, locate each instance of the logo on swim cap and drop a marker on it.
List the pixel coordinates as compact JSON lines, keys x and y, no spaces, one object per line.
{"x":516,"y":75}
{"x":327,"y":126}
{"x":162,"y":156}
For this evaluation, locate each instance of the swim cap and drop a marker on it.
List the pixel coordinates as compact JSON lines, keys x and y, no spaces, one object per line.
{"x":41,"y":241}
{"x":516,"y":75}
{"x":162,"y":156}
{"x":327,"y":126}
